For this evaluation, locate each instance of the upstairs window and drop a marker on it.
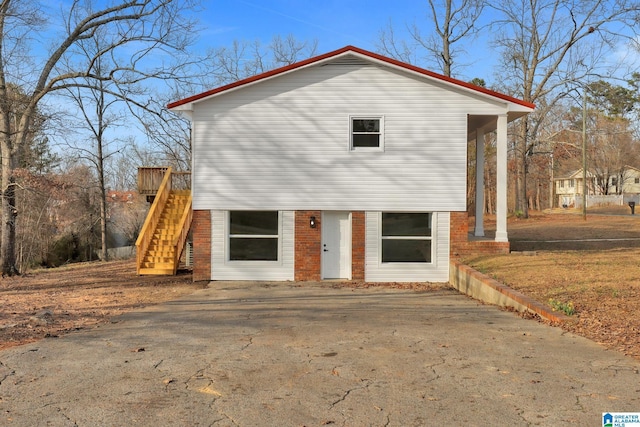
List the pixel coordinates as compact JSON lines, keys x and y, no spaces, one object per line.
{"x":366,"y":133}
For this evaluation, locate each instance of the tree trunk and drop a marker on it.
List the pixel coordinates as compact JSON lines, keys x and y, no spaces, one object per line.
{"x":9,"y":212}
{"x":104,"y":253}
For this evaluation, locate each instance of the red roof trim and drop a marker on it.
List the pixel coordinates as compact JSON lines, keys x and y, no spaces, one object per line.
{"x":339,"y":52}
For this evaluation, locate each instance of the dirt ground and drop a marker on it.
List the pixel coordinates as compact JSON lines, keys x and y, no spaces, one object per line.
{"x":591,"y":267}
{"x":558,"y":258}
{"x":49,"y":303}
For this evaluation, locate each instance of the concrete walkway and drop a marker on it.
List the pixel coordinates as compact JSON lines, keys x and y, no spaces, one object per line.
{"x":284,"y":354}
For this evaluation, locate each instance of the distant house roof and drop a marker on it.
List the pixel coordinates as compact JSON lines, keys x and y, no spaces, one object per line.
{"x":187,"y":103}
{"x":121,"y":196}
{"x":573,"y":174}
{"x":569,"y":175}
{"x":577,"y":174}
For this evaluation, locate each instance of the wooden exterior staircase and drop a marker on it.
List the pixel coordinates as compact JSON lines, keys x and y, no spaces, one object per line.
{"x":163,"y":236}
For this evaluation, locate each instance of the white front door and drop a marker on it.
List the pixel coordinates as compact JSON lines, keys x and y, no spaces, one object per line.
{"x":336,"y":245}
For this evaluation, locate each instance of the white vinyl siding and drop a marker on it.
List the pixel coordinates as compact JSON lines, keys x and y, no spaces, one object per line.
{"x":224,"y":269}
{"x":436,"y":271}
{"x":283,"y":144}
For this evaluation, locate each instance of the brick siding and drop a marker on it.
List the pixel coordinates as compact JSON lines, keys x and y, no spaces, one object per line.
{"x":357,"y":245}
{"x":308,"y":250}
{"x":201,"y":232}
{"x":460,"y":244}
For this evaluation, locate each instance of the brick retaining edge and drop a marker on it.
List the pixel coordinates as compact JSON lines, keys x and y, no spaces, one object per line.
{"x":482,"y":287}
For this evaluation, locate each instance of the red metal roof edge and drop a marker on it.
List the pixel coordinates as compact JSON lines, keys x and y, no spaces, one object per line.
{"x":339,"y":52}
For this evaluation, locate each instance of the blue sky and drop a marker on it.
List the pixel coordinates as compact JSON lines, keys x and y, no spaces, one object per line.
{"x":333,"y":23}
{"x":337,"y":23}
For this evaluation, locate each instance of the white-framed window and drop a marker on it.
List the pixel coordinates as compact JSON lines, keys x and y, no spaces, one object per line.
{"x":406,"y":237}
{"x":254,"y":236}
{"x":561,"y":183}
{"x":572,"y":183}
{"x":636,"y":180}
{"x":366,"y":132}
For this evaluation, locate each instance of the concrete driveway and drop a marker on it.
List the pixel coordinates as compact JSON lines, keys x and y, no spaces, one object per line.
{"x":286,"y":354}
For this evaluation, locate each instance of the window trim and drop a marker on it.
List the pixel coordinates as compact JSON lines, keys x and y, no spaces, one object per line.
{"x":229,"y":236}
{"x":432,"y":238}
{"x":379,"y":117}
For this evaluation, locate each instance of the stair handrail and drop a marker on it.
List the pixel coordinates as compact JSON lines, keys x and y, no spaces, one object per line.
{"x":150,"y":178}
{"x":153,"y":217}
{"x":180,"y":239}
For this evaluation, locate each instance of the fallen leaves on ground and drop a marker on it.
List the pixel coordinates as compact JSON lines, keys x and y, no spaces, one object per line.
{"x":49,"y":303}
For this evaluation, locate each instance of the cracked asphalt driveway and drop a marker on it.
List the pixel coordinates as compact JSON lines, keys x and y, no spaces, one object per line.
{"x":287,"y":354}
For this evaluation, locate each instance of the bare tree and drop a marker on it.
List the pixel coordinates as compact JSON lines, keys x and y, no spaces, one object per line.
{"x":245,"y":59}
{"x":99,"y":115}
{"x":139,"y":30}
{"x":453,"y":22}
{"x":169,"y":133}
{"x":548,"y":46}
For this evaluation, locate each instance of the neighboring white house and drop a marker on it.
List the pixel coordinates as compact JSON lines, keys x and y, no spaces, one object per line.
{"x":348,"y":165}
{"x":620,"y":187}
{"x":570,"y":187}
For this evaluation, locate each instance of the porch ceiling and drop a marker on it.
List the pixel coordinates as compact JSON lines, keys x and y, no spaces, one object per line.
{"x":487,"y":122}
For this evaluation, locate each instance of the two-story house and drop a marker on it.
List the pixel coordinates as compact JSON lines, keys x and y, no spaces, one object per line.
{"x":625,"y":183}
{"x":348,"y":165}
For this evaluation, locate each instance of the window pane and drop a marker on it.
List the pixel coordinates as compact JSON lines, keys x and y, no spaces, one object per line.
{"x":406,"y":250}
{"x":366,"y":125}
{"x":406,"y":224}
{"x":366,"y":140}
{"x":241,"y":249}
{"x":254,"y":223}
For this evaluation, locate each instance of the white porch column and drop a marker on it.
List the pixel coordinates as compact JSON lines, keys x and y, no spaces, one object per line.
{"x":501,"y":179}
{"x":479,"y":229}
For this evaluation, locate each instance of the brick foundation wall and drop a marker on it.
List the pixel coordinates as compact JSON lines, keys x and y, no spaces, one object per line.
{"x":460,"y":246}
{"x":459,"y":231}
{"x":308,"y":246}
{"x":201,"y":232}
{"x":357,"y":245}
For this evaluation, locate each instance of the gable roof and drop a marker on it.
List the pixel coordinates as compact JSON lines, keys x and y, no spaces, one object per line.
{"x":577,"y":174}
{"x":572,"y":174}
{"x":187,"y":103}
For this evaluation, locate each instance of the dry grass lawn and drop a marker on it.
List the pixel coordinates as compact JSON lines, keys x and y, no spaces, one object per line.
{"x":49,"y":303}
{"x":591,"y":266}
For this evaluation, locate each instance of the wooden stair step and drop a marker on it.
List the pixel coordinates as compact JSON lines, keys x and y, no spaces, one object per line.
{"x":160,"y":253}
{"x":144,"y":271}
{"x":151,"y":264}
